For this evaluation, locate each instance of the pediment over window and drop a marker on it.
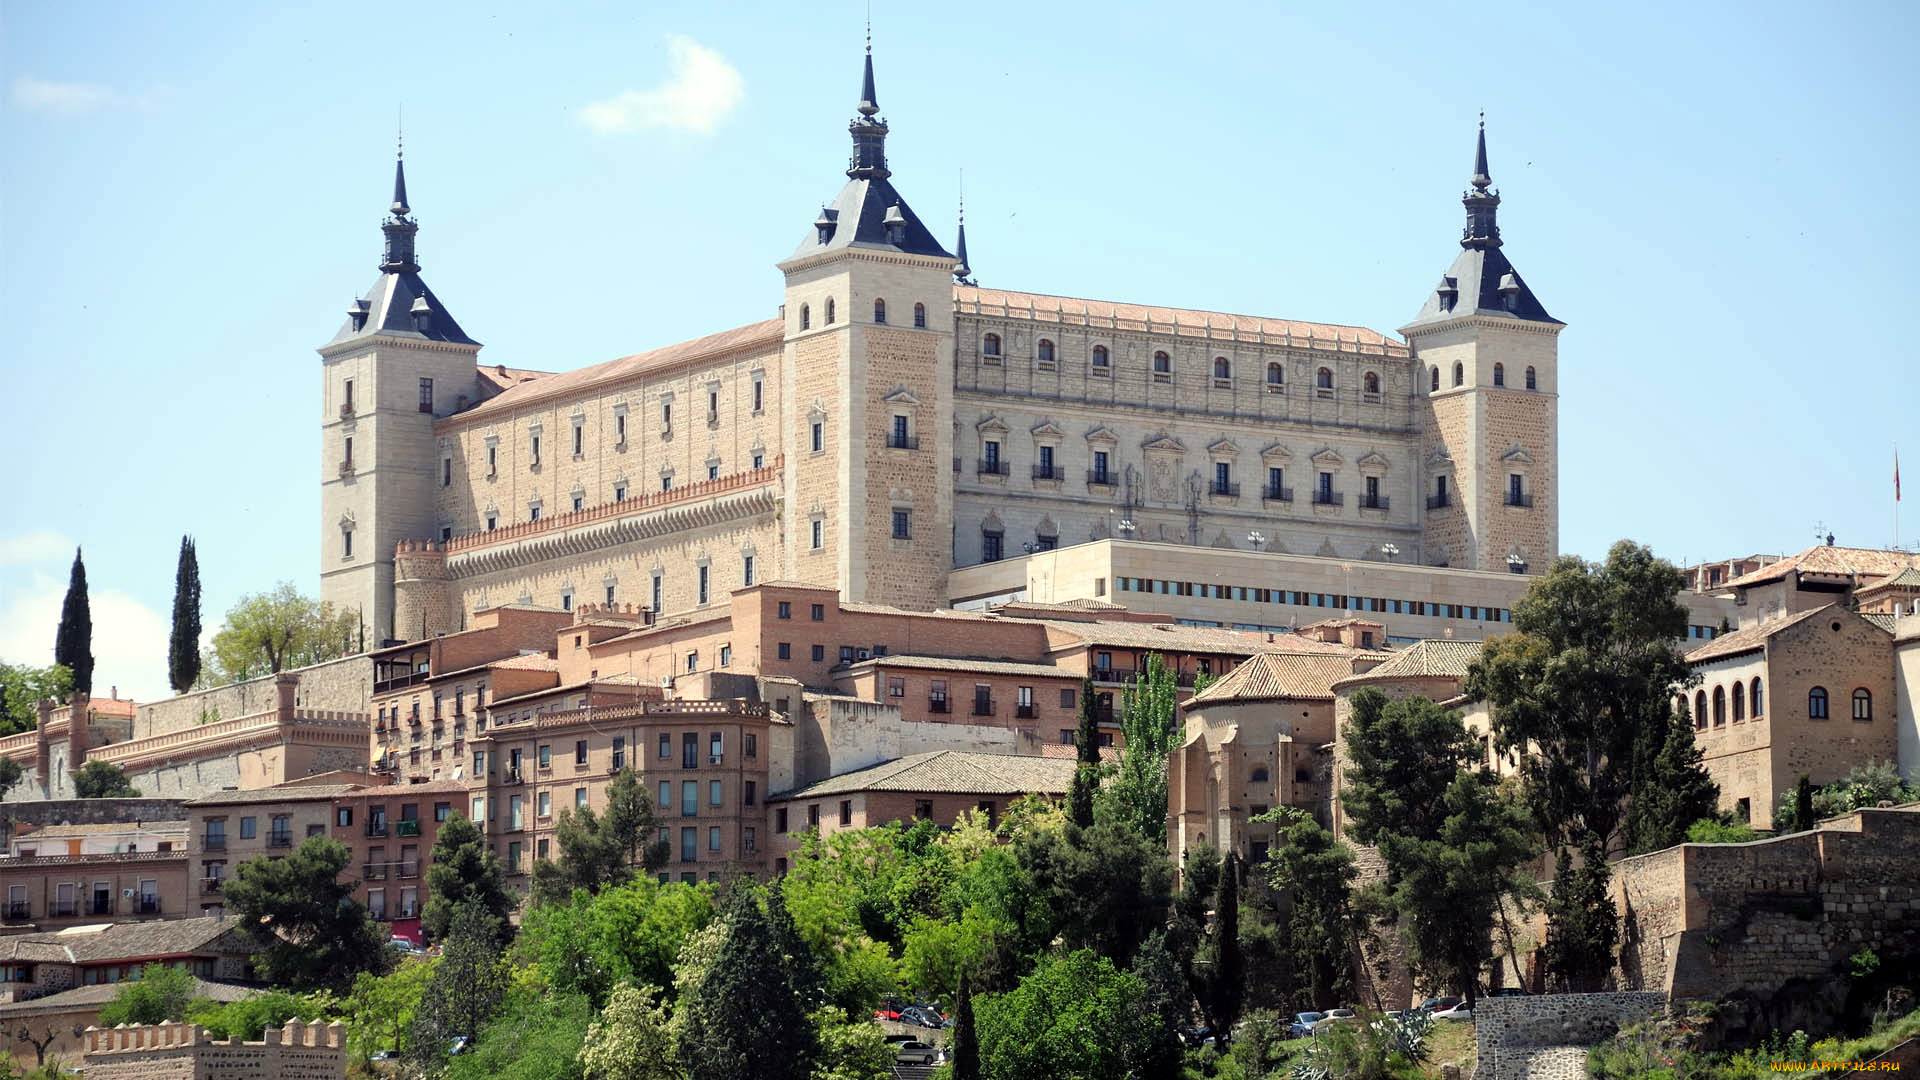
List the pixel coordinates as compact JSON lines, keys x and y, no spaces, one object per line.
{"x":991,"y":523}
{"x":1102,"y":435}
{"x":346,"y":521}
{"x":1276,"y":452}
{"x":1326,"y":455}
{"x":991,"y":425}
{"x":1373,"y":459}
{"x":1048,"y":430}
{"x":1220,"y":540}
{"x":1326,"y":550}
{"x":1223,"y":448}
{"x":1440,"y":459}
{"x":1517,"y":454}
{"x":1166,"y":444}
{"x":818,"y":410}
{"x":1047,"y":527}
{"x":902,"y":396}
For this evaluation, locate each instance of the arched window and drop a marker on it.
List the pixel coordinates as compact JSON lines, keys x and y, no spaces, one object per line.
{"x":1371,"y":383}
{"x":1259,"y":774}
{"x":1531,"y":383}
{"x":1700,"y":709}
{"x":879,"y":310}
{"x":919,"y":316}
{"x":1459,"y":369}
{"x":1817,"y":703}
{"x":1162,"y":364}
{"x":1101,"y":358}
{"x":1221,"y":368}
{"x":829,"y":311}
{"x":1045,"y":351}
{"x":806,"y":317}
{"x":1276,"y":375}
{"x":1434,"y":373}
{"x":1759,"y":710}
{"x":1499,"y":374}
{"x":1719,"y":706}
{"x":1323,"y":379}
{"x":1739,"y":702}
{"x":1863,"y":704}
{"x":990,"y":345}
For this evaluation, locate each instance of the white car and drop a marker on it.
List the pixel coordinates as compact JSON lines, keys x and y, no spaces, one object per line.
{"x":1458,"y":1012}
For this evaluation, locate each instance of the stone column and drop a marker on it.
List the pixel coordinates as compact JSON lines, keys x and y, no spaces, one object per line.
{"x":77,"y":731}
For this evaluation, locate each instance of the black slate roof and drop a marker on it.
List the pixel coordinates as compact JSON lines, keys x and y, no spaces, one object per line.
{"x":859,"y":215}
{"x":390,"y":312}
{"x":1477,"y":275}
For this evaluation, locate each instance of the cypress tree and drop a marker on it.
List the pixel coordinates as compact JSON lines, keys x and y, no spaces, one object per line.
{"x":1086,"y":777}
{"x":1226,"y":982}
{"x":183,"y":648}
{"x":73,"y":645}
{"x":1672,"y":788}
{"x":1803,"y":803}
{"x":966,"y":1043}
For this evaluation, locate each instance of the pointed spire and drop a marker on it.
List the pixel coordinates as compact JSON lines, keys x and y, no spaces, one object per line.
{"x":1482,"y":179}
{"x":399,"y":227}
{"x":1482,"y":203}
{"x":868,"y":130}
{"x":962,"y":273}
{"x":869,"y":101}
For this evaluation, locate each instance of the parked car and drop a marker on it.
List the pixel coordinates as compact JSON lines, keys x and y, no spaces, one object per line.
{"x":1459,"y":1011}
{"x":458,"y":1046}
{"x":1302,"y":1025}
{"x":1506,"y":991}
{"x":405,"y":945}
{"x":888,"y":1010}
{"x":923,"y":1017}
{"x":914,"y":1052}
{"x":1336,"y":1016}
{"x":1435,"y":1004}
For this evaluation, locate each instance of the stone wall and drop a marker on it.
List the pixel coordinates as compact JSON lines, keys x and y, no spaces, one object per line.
{"x":343,"y":685}
{"x":297,"y":1051}
{"x":92,"y":811}
{"x":1546,"y":1037}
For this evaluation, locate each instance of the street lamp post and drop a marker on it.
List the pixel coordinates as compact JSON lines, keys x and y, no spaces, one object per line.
{"x":1389,"y":550}
{"x":1256,"y":538}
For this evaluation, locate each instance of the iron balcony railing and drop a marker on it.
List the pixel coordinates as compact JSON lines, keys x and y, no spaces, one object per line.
{"x":992,"y":468}
{"x":1517,"y":499}
{"x":1024,"y":712}
{"x":903,"y":442}
{"x":17,"y":909}
{"x":280,"y":840}
{"x":1373,"y":502}
{"x":1229,"y":489}
{"x":1437,"y":502}
{"x":1101,"y":477}
{"x":1277,"y":494}
{"x":1329,"y":498}
{"x":938,"y":705}
{"x":210,"y":842}
{"x":982,"y":707}
{"x":1048,"y":472}
{"x":100,"y":905}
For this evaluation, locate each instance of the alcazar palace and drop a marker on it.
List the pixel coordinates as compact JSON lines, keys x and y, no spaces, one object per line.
{"x":894,"y":422}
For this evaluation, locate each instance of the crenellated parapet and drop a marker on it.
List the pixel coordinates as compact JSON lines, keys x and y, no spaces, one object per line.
{"x":296,"y":1051}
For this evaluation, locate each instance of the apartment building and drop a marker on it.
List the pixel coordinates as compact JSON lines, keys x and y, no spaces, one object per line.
{"x":226,"y":830}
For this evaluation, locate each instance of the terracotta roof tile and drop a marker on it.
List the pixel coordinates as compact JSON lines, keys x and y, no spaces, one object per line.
{"x":953,"y":772}
{"x":95,"y":943}
{"x":1175,"y":638}
{"x":83,"y":997}
{"x":1428,"y":658}
{"x":1748,"y":638}
{"x":1274,"y":676}
{"x":288,"y":793}
{"x":1045,"y":308}
{"x":1826,"y":559}
{"x":978,"y":665}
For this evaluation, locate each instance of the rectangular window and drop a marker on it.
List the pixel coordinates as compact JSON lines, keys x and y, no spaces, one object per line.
{"x":446,"y":472}
{"x":666,"y":745}
{"x":516,"y":811}
{"x":846,"y":812}
{"x":783,"y":610}
{"x":819,"y":534}
{"x":819,"y":436}
{"x":785,"y":650}
{"x":758,"y":387}
{"x":426,"y":395}
{"x":819,"y":653}
{"x":716,"y":744}
{"x":348,"y":406}
{"x":620,"y":428}
{"x":990,"y":455}
{"x":713,"y":838}
{"x":903,"y":524}
{"x":813,"y":815}
{"x":346,"y":543}
{"x":689,"y":798}
{"x":493,"y":460}
{"x":715,"y":790}
{"x":513,"y":857}
{"x":746,"y":570}
{"x":689,"y":750}
{"x":247,"y":828}
{"x":1045,"y":469}
{"x":991,"y":544}
{"x":442,"y":811}
{"x":689,"y":844}
{"x":535,"y":447}
{"x":748,"y":790}
{"x":546,"y":757}
{"x":579,"y":798}
{"x":817,"y":613}
{"x":342,"y":816}
{"x":896,"y":686}
{"x":666,"y":796}
{"x":580,"y":751}
{"x":780,"y":820}
{"x":1326,"y":487}
{"x":923,"y":809}
{"x":1067,"y":698}
{"x":619,"y":752}
{"x":1100,"y":473}
{"x":545,"y":804}
{"x":666,"y":414}
{"x":747,"y":839}
{"x":659,"y":592}
{"x":899,"y":440}
{"x":701,"y":588}
{"x":579,"y":439}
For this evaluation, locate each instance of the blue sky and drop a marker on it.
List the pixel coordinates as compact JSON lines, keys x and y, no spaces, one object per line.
{"x":1716,"y":198}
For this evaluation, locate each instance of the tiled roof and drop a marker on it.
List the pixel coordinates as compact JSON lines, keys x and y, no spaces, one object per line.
{"x":1826,"y":559}
{"x":1882,"y":619}
{"x":1174,"y":638}
{"x":407,"y":791}
{"x":316,"y":793}
{"x":503,"y":377}
{"x":101,"y":942}
{"x":1042,"y":307}
{"x":1748,"y":638}
{"x":86,"y":997}
{"x":1273,"y":676}
{"x":1428,"y":658}
{"x":627,"y":367}
{"x":50,"y":831}
{"x":537,"y":662}
{"x":951,"y":772}
{"x":1907,"y":576}
{"x":967,"y":664}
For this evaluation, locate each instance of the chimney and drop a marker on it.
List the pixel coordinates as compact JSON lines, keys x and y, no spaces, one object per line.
{"x":284,"y":684}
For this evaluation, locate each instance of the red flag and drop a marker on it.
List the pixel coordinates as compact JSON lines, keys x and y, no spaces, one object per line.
{"x":1896,"y":476}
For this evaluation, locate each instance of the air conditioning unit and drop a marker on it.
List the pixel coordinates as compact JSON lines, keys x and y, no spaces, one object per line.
{"x":716,"y":759}
{"x":863,"y":655}
{"x":126,"y":894}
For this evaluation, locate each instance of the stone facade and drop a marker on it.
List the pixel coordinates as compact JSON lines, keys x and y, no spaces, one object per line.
{"x":297,"y":1051}
{"x":1546,"y":1037}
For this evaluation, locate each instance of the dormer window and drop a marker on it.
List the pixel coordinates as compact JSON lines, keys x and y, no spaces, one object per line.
{"x":823,"y":225}
{"x":357,"y":314}
{"x":422,"y":314}
{"x":1448,"y":292}
{"x":896,"y":224}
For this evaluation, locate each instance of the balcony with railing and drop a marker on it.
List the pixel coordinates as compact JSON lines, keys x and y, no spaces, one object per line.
{"x":1049,"y":472}
{"x":983,"y":706}
{"x":938,"y":705}
{"x":1275,"y":493}
{"x":990,"y":467}
{"x":1374,"y":502}
{"x":377,"y":827}
{"x":1515,"y":498}
{"x":1329,"y":498}
{"x":1224,"y":489}
{"x":374,"y":871}
{"x":211,"y":885}
{"x":280,"y":839}
{"x":147,"y":905}
{"x":406,"y":827}
{"x":1025,"y":712}
{"x":1439,"y":502}
{"x":100,"y":905}
{"x":214,"y":842}
{"x":63,"y":909}
{"x":16,"y":911}
{"x":1113,"y":674}
{"x":902,"y":442}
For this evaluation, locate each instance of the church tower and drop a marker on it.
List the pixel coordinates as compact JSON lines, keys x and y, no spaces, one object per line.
{"x":1485,"y":352}
{"x":399,"y":363}
{"x":868,"y":439}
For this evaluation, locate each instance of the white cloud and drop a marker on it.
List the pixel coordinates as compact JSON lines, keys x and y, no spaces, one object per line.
{"x":129,"y":638}
{"x":701,"y":89}
{"x":61,"y":97}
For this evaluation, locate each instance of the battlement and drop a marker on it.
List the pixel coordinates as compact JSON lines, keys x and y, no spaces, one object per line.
{"x":169,"y":1051}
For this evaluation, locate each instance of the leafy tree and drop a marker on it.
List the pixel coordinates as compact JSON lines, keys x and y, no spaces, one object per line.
{"x":463,"y":871}
{"x":23,"y":688}
{"x":467,"y":989}
{"x":1076,"y":1017}
{"x":849,"y":1047}
{"x":251,"y":1016}
{"x":1593,"y":662}
{"x":183,"y":645}
{"x":537,"y":1036}
{"x":1167,"y":1004}
{"x":1150,"y":723}
{"x":1671,"y":788}
{"x":307,"y":930}
{"x":601,"y":850}
{"x":1403,"y":756}
{"x":1223,"y":977}
{"x":1107,"y":886}
{"x":73,"y":644}
{"x":630,"y":1040}
{"x":160,"y":994}
{"x":632,"y":933}
{"x":276,"y":630}
{"x":1086,"y":775}
{"x":966,"y":1041}
{"x":11,"y":773}
{"x":1316,"y":872}
{"x":1582,"y":923}
{"x":741,"y":1018}
{"x":379,"y":1010}
{"x":1199,"y":881}
{"x":103,"y":780}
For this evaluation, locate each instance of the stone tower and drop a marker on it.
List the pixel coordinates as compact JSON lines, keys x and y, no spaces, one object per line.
{"x":868,"y":439}
{"x":1486,"y":352}
{"x":400,"y":362}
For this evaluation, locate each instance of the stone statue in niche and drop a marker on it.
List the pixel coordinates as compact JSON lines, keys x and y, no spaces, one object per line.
{"x":1133,"y":486}
{"x":1162,"y":486}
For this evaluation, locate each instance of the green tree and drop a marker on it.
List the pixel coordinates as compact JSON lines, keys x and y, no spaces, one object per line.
{"x":1106,"y":886}
{"x":537,"y":1036}
{"x":630,"y":1040}
{"x":1077,"y":1017}
{"x":966,"y":1041}
{"x":73,"y":643}
{"x":1086,"y":775}
{"x":11,"y":774}
{"x":1223,"y":973}
{"x":103,"y":780}
{"x":379,"y":1009}
{"x":1582,"y":923}
{"x":1199,"y":881}
{"x":1593,"y":662}
{"x":251,"y":1016}
{"x":1150,"y":723}
{"x":22,"y":689}
{"x":1403,"y":755}
{"x":601,"y":850}
{"x":1671,"y":788}
{"x":848,"y":1047}
{"x":161,"y":993}
{"x":1800,"y":816}
{"x":742,"y":1019}
{"x":183,"y":646}
{"x":468,"y":986}
{"x":1315,"y":871}
{"x":628,"y":933}
{"x":307,"y":930}
{"x":1168,"y":1004}
{"x":462,"y":870}
{"x":277,"y":630}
